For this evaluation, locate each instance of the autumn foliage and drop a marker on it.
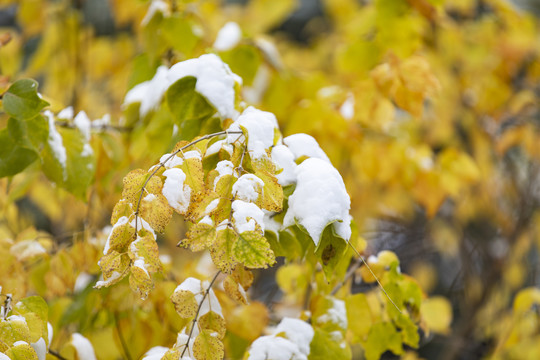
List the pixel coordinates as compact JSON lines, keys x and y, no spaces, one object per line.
{"x":208,"y":180}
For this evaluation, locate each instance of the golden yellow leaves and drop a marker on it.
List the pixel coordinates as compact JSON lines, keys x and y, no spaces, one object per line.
{"x":184,"y":303}
{"x":253,"y":250}
{"x":207,"y":346}
{"x":408,"y":82}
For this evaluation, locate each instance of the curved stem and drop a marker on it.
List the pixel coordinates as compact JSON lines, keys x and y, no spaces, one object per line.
{"x":197,"y":313}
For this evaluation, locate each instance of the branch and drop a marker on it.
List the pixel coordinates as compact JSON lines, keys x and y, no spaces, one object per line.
{"x":162,"y":164}
{"x":54,"y":353}
{"x":121,"y":337}
{"x":197,"y":313}
{"x":374,"y":276}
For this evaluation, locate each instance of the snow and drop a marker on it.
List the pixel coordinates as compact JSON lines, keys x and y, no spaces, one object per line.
{"x":49,"y":333}
{"x":270,"y":224}
{"x":212,"y":206}
{"x":149,"y":197}
{"x":104,"y":121}
{"x":192,"y":154}
{"x":246,"y":216}
{"x":40,"y":347}
{"x":275,"y":348}
{"x":347,"y":108}
{"x":284,"y":160}
{"x":224,"y":167}
{"x":215,"y":82}
{"x":175,"y":191}
{"x":4,"y":357}
{"x":198,"y":288}
{"x":217,"y":146}
{"x":20,"y":342}
{"x":228,"y":36}
{"x":337,"y":314}
{"x":83,"y":347}
{"x":172,"y":162}
{"x":16,"y":318}
{"x":66,"y":114}
{"x":298,"y":331}
{"x":155,"y":7}
{"x":142,"y":224}
{"x":121,"y":221}
{"x":155,"y":353}
{"x":55,"y":142}
{"x":82,"y":281}
{"x":304,"y":145}
{"x":270,"y":51}
{"x":253,"y":94}
{"x":140,"y":263}
{"x":82,"y":122}
{"x":26,"y":249}
{"x":247,"y":188}
{"x":260,"y":127}
{"x":114,"y":276}
{"x":320,"y":198}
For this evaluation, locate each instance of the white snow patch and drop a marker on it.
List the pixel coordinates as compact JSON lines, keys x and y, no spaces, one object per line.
{"x":217,"y":146}
{"x":212,"y":206}
{"x":347,"y":108}
{"x":49,"y":333}
{"x":247,"y":188}
{"x":4,"y":357}
{"x":26,"y":249}
{"x":270,"y":224}
{"x":246,"y":216}
{"x":55,"y":142}
{"x":320,"y":198}
{"x":260,"y":127}
{"x":337,"y":314}
{"x":228,"y":36}
{"x":114,"y":276}
{"x":82,"y":281}
{"x":305,"y":145}
{"x":284,"y":160}
{"x":104,"y":121}
{"x":66,"y":114}
{"x":275,"y":348}
{"x":155,"y":353}
{"x":224,"y":167}
{"x":155,"y":7}
{"x":82,"y":122}
{"x":16,"y":318}
{"x":40,"y":347}
{"x":20,"y":342}
{"x":149,"y":197}
{"x":175,"y":191}
{"x":83,"y":347}
{"x":270,"y":51}
{"x":172,"y":162}
{"x":298,"y":331}
{"x":139,"y":262}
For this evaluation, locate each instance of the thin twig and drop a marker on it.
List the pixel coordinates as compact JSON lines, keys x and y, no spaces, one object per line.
{"x":349,"y":274}
{"x":162,"y":164}
{"x":100,"y":127}
{"x":197,"y":313}
{"x":121,"y":337}
{"x":54,"y":353}
{"x":376,"y":278}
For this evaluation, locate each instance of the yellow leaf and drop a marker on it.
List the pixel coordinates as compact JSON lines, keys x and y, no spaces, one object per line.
{"x":114,"y":267}
{"x":213,"y":322}
{"x":140,"y":281}
{"x":120,"y":237}
{"x":248,"y":322}
{"x":232,"y":288}
{"x":121,"y":209}
{"x":22,"y":352}
{"x":243,"y":276}
{"x":146,"y":249}
{"x":207,"y":346}
{"x":133,"y":183}
{"x":221,"y":250}
{"x":156,"y":210}
{"x":185,"y":303}
{"x":199,"y":237}
{"x":437,"y":313}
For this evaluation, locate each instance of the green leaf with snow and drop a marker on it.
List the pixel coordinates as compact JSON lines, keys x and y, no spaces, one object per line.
{"x":35,"y":310}
{"x":12,"y":330}
{"x":253,"y":250}
{"x":69,"y":161}
{"x":21,"y":100}
{"x":324,"y":347}
{"x":190,"y":109}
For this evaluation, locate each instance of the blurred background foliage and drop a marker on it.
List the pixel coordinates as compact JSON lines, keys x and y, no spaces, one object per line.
{"x":429,"y":109}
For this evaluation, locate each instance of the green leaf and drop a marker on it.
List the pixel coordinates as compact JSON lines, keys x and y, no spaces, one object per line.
{"x":189,"y":108}
{"x":199,"y":237}
{"x":79,"y":169}
{"x":222,"y":250}
{"x":383,"y":336}
{"x":324,"y":347}
{"x":330,"y":250}
{"x":16,"y":151}
{"x":36,"y":312}
{"x":244,"y":60}
{"x":177,"y":31}
{"x":22,"y":101}
{"x":253,"y":250}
